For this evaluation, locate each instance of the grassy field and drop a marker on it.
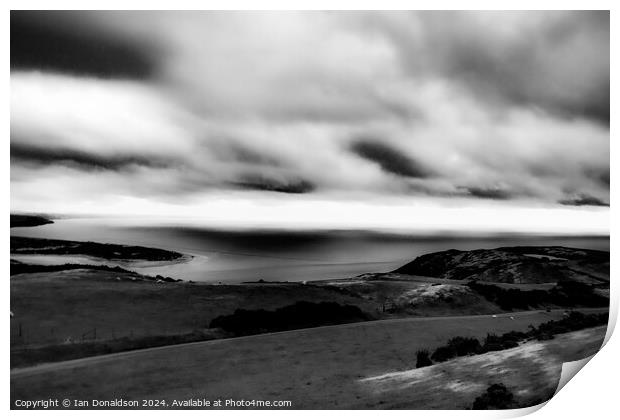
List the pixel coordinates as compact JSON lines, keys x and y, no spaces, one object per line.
{"x":531,"y":372}
{"x":79,"y":313}
{"x":85,"y":305}
{"x":77,"y":305}
{"x":315,"y":368}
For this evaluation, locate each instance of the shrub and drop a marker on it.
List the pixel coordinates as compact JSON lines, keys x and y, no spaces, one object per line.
{"x":573,"y":322}
{"x":465,"y":346}
{"x":423,"y":359}
{"x":299,"y":315}
{"x":441,"y":354}
{"x":565,"y":294}
{"x":506,"y":341}
{"x":514,"y":336}
{"x":457,"y":346}
{"x":493,"y":343}
{"x":496,"y":397}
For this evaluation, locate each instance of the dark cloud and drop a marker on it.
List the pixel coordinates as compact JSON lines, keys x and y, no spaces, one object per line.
{"x":48,"y":41}
{"x":584,"y":200}
{"x":389,"y":158}
{"x":262,"y":183}
{"x":525,"y":73}
{"x":79,"y":159}
{"x":554,"y":61}
{"x":596,"y":108}
{"x":490,"y":193}
{"x":600,"y":176}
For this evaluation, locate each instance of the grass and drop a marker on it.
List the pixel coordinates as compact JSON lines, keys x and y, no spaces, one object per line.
{"x":78,"y":313}
{"x":21,"y":268}
{"x":59,"y":307}
{"x":396,"y":296}
{"x":29,"y":356}
{"x":531,"y":372}
{"x":319,"y":368}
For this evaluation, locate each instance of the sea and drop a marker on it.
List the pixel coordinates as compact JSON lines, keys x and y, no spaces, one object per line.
{"x":246,"y":255}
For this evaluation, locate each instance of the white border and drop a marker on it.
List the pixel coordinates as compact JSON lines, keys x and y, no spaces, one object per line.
{"x":592,"y":395}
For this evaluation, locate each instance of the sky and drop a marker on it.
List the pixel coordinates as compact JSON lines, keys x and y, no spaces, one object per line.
{"x":483,"y":121}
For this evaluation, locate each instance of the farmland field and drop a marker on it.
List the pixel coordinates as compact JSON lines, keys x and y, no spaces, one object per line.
{"x":318,"y":367}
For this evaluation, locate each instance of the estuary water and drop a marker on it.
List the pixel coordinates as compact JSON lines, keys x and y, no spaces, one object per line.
{"x":272,"y":255}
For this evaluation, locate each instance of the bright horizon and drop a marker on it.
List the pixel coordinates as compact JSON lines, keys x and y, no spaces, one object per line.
{"x":396,"y":215}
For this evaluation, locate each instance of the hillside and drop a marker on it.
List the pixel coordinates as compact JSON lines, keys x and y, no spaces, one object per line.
{"x":517,"y":265}
{"x":23,"y":220}
{"x":362,"y":365}
{"x":36,"y":246}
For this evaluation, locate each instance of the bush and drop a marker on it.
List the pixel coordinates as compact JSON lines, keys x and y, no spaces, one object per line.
{"x":465,"y":346}
{"x":493,"y":343}
{"x":496,"y":397}
{"x":565,"y":294}
{"x":299,"y":315}
{"x":505,"y":341}
{"x":441,"y":354}
{"x":573,"y":322}
{"x":423,"y":359}
{"x":514,"y":336}
{"x":457,"y":346}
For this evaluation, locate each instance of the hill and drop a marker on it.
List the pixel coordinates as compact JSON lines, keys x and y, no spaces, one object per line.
{"x":22,"y":220}
{"x":518,"y":265}
{"x":35,"y":246}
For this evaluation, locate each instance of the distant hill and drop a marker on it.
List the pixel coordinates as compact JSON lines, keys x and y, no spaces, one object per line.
{"x":514,"y":265}
{"x":23,"y":245}
{"x":22,"y":220}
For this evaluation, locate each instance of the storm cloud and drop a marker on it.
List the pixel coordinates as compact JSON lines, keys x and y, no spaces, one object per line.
{"x":584,"y":200}
{"x":509,"y":107}
{"x":388,"y":158}
{"x":41,"y":41}
{"x":492,"y":193}
{"x":22,"y":154}
{"x":258,"y":182}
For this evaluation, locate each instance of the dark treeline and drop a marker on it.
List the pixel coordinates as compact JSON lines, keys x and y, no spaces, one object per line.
{"x":466,"y":346}
{"x":299,"y":315}
{"x":564,"y":294}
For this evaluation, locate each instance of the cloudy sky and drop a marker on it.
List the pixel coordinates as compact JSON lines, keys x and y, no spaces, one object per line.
{"x":420,"y":120}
